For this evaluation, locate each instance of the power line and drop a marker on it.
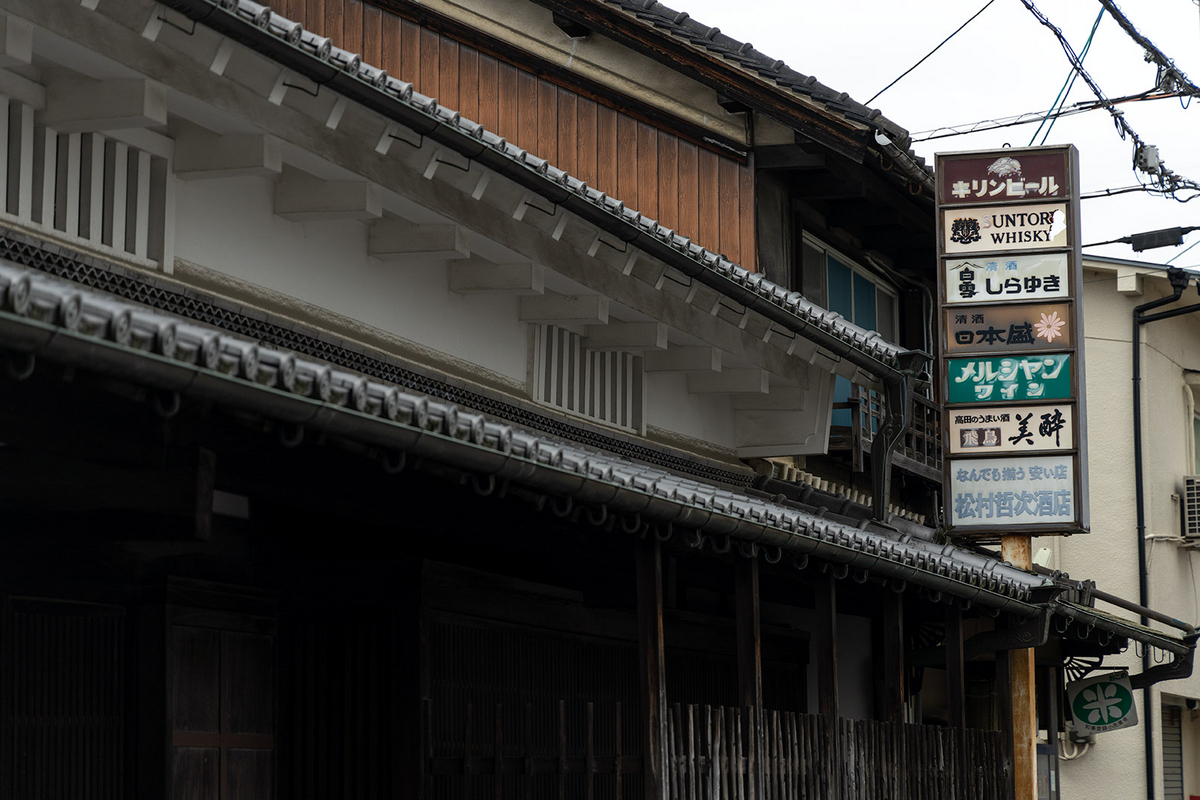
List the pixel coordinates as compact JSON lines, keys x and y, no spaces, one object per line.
{"x":1118,"y":117}
{"x":931,"y":52}
{"x":1169,"y":76}
{"x":1028,"y":117}
{"x":1068,"y":84}
{"x":1184,"y":250}
{"x":1145,"y":157}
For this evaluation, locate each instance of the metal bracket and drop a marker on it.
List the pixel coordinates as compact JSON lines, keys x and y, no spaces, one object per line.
{"x":1180,"y":667}
{"x":1032,"y":632}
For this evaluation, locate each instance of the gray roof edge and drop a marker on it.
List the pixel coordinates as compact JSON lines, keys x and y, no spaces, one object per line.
{"x":61,"y":321}
{"x":776,"y":72}
{"x":258,"y":27}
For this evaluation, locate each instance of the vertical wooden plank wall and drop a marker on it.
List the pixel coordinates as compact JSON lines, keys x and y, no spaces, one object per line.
{"x":699,"y":192}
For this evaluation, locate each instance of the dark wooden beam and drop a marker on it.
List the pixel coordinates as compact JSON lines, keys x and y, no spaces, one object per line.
{"x":823,"y":186}
{"x":652,"y":666}
{"x":956,"y":688}
{"x":825,"y":642}
{"x":826,"y":647}
{"x":886,"y":237}
{"x":749,"y":643}
{"x":561,"y":76}
{"x":571,"y":28}
{"x":787,"y":156}
{"x":40,"y":482}
{"x":828,"y":127}
{"x":860,"y":214}
{"x":914,"y":214}
{"x":732,"y":105}
{"x":894,"y":688}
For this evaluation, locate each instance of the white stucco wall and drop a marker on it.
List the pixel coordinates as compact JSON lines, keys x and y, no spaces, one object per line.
{"x":1114,"y":766}
{"x":227,"y":225}
{"x":670,"y":407}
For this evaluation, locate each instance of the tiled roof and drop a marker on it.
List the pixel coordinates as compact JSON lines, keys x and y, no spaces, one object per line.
{"x":253,"y":17}
{"x":774,"y":71}
{"x":59,"y":320}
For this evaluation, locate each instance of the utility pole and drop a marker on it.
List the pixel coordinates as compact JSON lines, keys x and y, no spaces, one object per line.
{"x":1018,"y":551}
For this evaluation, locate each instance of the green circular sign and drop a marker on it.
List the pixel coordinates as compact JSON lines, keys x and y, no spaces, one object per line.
{"x":1102,"y":704}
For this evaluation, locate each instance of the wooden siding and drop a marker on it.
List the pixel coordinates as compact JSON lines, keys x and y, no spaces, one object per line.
{"x":700,"y":192}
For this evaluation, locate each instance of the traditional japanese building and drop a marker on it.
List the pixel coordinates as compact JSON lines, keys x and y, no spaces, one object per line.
{"x":522,"y":400}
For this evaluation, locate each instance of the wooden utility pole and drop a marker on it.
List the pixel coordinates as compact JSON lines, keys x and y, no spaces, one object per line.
{"x":1017,"y":551}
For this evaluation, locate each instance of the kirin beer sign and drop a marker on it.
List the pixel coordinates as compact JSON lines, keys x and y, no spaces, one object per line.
{"x":1014,"y":421}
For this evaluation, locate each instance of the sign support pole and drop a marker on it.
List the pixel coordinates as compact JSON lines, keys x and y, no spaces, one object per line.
{"x":1017,"y":551}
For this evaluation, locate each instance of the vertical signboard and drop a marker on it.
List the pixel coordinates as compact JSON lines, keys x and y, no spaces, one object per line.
{"x":1009,"y":276}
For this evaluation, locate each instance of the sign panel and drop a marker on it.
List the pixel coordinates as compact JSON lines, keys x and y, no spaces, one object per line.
{"x":1011,"y":379}
{"x":1003,"y":279}
{"x":993,"y":177}
{"x":1014,"y":423}
{"x":1102,"y":703}
{"x":1012,"y":492}
{"x":1000,"y":329}
{"x":1007,"y":429}
{"x":1005,"y":228}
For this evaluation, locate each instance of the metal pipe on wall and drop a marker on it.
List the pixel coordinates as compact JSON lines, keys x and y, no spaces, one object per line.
{"x":1179,"y":281}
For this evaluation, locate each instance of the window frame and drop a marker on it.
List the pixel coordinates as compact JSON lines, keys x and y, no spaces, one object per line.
{"x":855,"y":268}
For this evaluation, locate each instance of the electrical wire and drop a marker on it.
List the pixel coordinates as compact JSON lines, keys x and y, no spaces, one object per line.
{"x":1068,"y":84}
{"x":1164,"y":182}
{"x":1122,"y":126}
{"x":1177,"y":255}
{"x":1169,"y":74}
{"x":1028,"y":117}
{"x":931,"y":52}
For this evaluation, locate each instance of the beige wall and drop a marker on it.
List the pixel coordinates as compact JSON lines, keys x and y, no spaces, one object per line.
{"x":1114,"y":766}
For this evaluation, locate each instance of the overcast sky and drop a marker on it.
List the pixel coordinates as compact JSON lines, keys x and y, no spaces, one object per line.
{"x":1003,"y":63}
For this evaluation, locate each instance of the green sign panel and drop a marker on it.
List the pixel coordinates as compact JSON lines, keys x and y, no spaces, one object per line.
{"x":1011,"y":379}
{"x":1102,"y":703}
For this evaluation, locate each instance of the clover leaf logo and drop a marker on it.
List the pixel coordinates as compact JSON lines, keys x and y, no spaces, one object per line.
{"x":1102,"y":704}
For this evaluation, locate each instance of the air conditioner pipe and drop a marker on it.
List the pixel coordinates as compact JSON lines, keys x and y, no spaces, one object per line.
{"x":1179,"y":282}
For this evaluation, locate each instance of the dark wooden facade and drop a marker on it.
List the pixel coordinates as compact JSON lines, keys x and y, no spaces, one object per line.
{"x":368,"y":635}
{"x":651,"y":165}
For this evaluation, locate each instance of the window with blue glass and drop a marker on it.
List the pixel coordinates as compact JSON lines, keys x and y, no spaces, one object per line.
{"x":837,"y":283}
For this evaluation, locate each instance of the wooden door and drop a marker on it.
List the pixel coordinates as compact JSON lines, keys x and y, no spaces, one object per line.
{"x":221,"y":684}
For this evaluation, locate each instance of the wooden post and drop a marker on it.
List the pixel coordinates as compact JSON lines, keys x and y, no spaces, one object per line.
{"x":956,"y":689}
{"x":749,"y":646}
{"x":1016,"y":550}
{"x":827,"y":681}
{"x":826,"y":642}
{"x":652,"y":665}
{"x":895,"y":690}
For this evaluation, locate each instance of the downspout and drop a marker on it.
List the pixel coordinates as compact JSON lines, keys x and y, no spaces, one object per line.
{"x":897,"y":400}
{"x":1179,"y":281}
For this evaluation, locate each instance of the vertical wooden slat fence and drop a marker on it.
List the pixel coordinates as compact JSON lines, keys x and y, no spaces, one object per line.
{"x":717,"y":753}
